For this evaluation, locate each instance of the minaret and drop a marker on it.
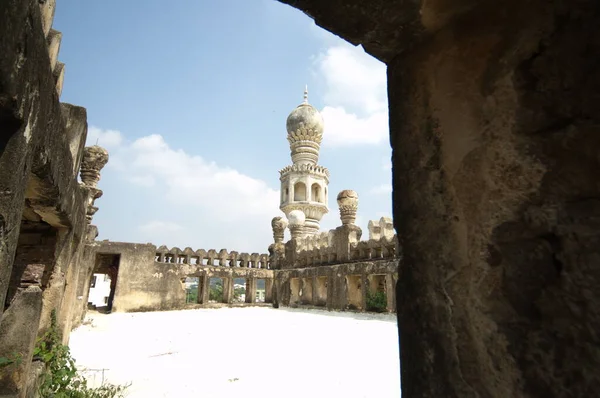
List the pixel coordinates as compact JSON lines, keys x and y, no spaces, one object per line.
{"x":304,"y":183}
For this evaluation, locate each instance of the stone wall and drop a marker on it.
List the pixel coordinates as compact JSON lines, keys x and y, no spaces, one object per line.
{"x":343,"y":244}
{"x":141,"y":285}
{"x":43,"y":225}
{"x":338,"y":268}
{"x":152,"y":279}
{"x":338,"y":287}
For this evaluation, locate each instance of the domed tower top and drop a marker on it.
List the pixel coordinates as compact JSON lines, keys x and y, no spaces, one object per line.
{"x":305,"y":132}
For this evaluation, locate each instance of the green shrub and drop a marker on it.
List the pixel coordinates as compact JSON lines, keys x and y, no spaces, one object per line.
{"x":376,"y":302}
{"x":61,"y":379}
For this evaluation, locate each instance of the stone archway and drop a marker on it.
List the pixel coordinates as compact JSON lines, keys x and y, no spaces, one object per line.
{"x":493,"y":123}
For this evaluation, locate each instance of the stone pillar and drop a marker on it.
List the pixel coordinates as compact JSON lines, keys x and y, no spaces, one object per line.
{"x":495,"y":181}
{"x":390,"y":292}
{"x":250,"y":290}
{"x":337,"y":297}
{"x":348,"y":204}
{"x":94,"y":159}
{"x":204,"y":278}
{"x":364,"y":282}
{"x":278,"y":224}
{"x":348,"y":234}
{"x":268,"y":290}
{"x":227,"y":290}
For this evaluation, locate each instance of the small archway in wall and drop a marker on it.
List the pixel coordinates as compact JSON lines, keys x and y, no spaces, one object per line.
{"x":315,"y":193}
{"x":320,"y":291}
{"x":306,"y":297}
{"x":103,"y":282}
{"x":377,"y":300}
{"x":354,"y":292}
{"x":299,"y":192}
{"x":285,"y":195}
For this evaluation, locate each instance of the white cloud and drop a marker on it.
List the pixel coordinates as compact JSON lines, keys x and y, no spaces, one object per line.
{"x":343,"y":128}
{"x":381,"y":189}
{"x":354,"y":79}
{"x":193,"y":181}
{"x":105,"y":138}
{"x":355,"y":96}
{"x":229,"y":209}
{"x":143,"y":180}
{"x":154,"y":227}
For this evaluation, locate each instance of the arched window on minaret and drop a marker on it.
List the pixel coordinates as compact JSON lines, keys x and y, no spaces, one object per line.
{"x":315,"y":193}
{"x":299,"y":192}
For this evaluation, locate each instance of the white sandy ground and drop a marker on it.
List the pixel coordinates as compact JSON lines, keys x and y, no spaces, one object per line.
{"x":242,"y":352}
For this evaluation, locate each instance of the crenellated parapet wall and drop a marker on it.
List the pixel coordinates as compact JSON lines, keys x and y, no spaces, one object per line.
{"x":340,"y":245}
{"x":149,"y":278}
{"x":313,"y":169}
{"x":336,"y":269}
{"x":211,"y":258}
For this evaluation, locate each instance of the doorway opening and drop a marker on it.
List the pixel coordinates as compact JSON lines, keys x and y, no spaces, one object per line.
{"x":192,"y":290}
{"x":307,"y":291}
{"x":215,"y":290}
{"x":321,"y":291}
{"x":354,"y":292}
{"x":103,"y":282}
{"x":239,"y":290}
{"x":376,"y":294}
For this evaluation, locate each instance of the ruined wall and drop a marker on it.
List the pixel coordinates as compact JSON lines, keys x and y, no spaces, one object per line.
{"x":334,"y":286}
{"x":42,"y":205}
{"x":151,"y":278}
{"x":342,"y":244}
{"x":494,"y":130}
{"x":335,"y":269}
{"x":142,"y":284}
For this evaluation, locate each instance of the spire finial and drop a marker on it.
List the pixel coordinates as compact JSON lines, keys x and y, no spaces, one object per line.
{"x":306,"y":94}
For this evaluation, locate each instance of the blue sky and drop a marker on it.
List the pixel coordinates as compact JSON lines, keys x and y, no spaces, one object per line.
{"x":190,"y":98}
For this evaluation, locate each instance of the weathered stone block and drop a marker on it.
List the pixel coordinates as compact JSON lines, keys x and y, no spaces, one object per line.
{"x":19,"y":331}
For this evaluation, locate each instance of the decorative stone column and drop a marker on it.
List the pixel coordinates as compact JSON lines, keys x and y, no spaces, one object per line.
{"x":348,"y":203}
{"x":278,"y":224}
{"x":348,"y":234}
{"x":296,"y":223}
{"x":94,"y":159}
{"x":277,"y":249}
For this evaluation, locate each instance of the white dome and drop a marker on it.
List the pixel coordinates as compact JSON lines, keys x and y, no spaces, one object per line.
{"x":305,"y":120}
{"x":305,"y":123}
{"x":296,"y":217}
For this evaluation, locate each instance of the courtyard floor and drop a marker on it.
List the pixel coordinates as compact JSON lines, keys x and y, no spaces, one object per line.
{"x":242,"y":352}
